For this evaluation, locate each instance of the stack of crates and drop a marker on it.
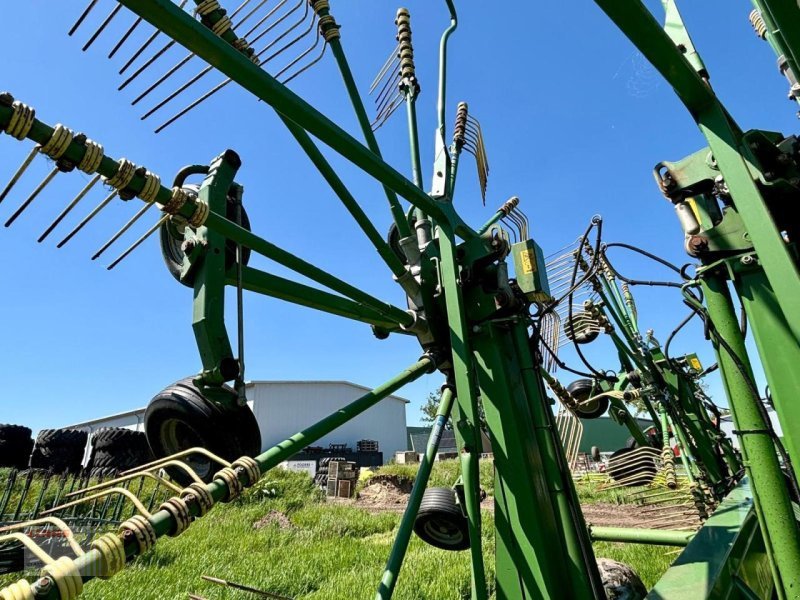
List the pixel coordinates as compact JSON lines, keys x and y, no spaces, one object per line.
{"x":342,"y":477}
{"x":367,"y":446}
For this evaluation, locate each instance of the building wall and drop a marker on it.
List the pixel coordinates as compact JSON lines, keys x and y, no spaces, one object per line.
{"x":284,"y":408}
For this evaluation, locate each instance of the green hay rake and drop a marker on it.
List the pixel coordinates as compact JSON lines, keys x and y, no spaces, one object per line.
{"x":471,"y":313}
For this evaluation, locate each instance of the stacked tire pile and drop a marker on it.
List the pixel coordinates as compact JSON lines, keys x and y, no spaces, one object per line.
{"x":321,"y":478}
{"x":116,"y":449}
{"x":15,"y":446}
{"x":59,"y":450}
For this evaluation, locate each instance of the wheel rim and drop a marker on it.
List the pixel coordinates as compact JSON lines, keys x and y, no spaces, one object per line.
{"x":177,"y":436}
{"x":443,"y":531}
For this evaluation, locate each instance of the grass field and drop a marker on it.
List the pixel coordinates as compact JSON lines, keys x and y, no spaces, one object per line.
{"x":314,"y":550}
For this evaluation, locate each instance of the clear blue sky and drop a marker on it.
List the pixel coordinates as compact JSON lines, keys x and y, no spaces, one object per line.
{"x":574,"y":121}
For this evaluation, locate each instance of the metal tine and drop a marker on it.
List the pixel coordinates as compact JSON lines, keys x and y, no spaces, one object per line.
{"x":32,"y":197}
{"x":22,"y":168}
{"x":381,"y":120}
{"x":385,"y":97}
{"x":225,"y":82}
{"x":146,"y":64}
{"x":125,"y":37}
{"x":511,"y":227}
{"x":146,"y":45}
{"x":309,"y":65}
{"x":209,"y":68}
{"x":188,"y":452}
{"x":280,"y":20}
{"x":138,"y":242}
{"x":393,"y":57}
{"x":88,"y":218}
{"x":83,"y":16}
{"x":191,"y":55}
{"x":116,"y":490}
{"x":122,"y":479}
{"x":69,"y":208}
{"x":305,"y":53}
{"x":102,"y":27}
{"x":139,"y":214}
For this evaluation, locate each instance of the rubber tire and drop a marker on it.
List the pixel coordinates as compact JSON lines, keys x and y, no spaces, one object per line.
{"x":440,"y":521}
{"x":644,"y":473}
{"x":580,"y":389}
{"x":620,"y":581}
{"x":59,"y":450}
{"x":16,"y":445}
{"x":171,"y":241}
{"x":12,"y":557}
{"x":119,"y":448}
{"x":581,"y":337}
{"x":595,"y":454}
{"x":393,"y":239}
{"x":181,"y":417}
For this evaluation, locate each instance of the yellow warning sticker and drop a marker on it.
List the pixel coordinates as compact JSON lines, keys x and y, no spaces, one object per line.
{"x":695,"y":364}
{"x":528,"y":261}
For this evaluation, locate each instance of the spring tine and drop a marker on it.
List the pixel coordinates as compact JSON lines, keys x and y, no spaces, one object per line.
{"x":163,"y":78}
{"x":290,"y":29}
{"x":160,"y":462}
{"x":32,"y":197}
{"x":83,"y":16}
{"x":146,"y":45}
{"x":103,"y":25}
{"x":116,"y":490}
{"x":303,"y":54}
{"x":387,"y":88}
{"x":309,"y":65}
{"x":280,"y":20}
{"x":386,"y":66}
{"x":15,"y":177}
{"x":178,"y":92}
{"x":146,"y":64}
{"x":69,"y":207}
{"x":263,"y":20}
{"x":389,"y":112}
{"x":88,"y":218}
{"x":125,"y":228}
{"x":185,"y":110}
{"x":125,"y":37}
{"x":138,"y":242}
{"x":121,"y":479}
{"x":239,"y":9}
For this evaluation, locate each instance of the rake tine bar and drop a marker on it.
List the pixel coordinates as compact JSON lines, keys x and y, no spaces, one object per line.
{"x":201,"y":99}
{"x":125,"y":37}
{"x":83,"y":16}
{"x":163,"y":78}
{"x":122,"y":231}
{"x":146,"y":64}
{"x":15,"y":177}
{"x":32,"y":197}
{"x":88,"y":218}
{"x":102,"y":27}
{"x":393,"y":57}
{"x":138,"y":242}
{"x":69,"y":207}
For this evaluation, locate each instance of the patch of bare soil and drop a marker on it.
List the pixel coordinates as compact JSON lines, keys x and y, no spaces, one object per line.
{"x":385,"y":493}
{"x":274,"y":518}
{"x":616,"y":515}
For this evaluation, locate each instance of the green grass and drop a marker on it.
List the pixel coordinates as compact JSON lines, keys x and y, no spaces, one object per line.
{"x":328,"y":551}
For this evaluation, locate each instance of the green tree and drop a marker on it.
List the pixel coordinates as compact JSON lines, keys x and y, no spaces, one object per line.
{"x":429,"y":407}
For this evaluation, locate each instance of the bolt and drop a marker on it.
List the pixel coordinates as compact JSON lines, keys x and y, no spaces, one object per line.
{"x":696,"y":244}
{"x":43,"y":585}
{"x":748,"y":260}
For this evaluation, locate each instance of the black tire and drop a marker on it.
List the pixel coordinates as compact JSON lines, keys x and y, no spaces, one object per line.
{"x":440,"y":521}
{"x":577,"y":334}
{"x":16,"y":445}
{"x":620,"y":582}
{"x":595,"y":454}
{"x":393,"y":239}
{"x":181,"y":417}
{"x":581,"y":390}
{"x":59,"y":450}
{"x":652,"y":438}
{"x":171,"y":239}
{"x":103,"y":473}
{"x":642,"y":472}
{"x":12,"y":557}
{"x":118,"y":448}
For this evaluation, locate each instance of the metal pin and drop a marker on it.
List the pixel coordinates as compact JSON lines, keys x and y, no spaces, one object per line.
{"x":33,"y":195}
{"x":182,"y":112}
{"x":138,"y":242}
{"x":177,"y":92}
{"x":25,"y":164}
{"x":88,"y":218}
{"x":280,"y":20}
{"x":125,"y":228}
{"x":84,"y":14}
{"x":103,"y":25}
{"x":125,"y":37}
{"x":309,"y":65}
{"x":144,"y":46}
{"x":163,"y":78}
{"x":69,"y":207}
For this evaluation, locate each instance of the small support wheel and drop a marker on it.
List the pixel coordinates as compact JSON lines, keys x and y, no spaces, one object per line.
{"x":171,"y":238}
{"x":595,"y":454}
{"x":182,"y":417}
{"x":581,"y":390}
{"x":440,"y":521}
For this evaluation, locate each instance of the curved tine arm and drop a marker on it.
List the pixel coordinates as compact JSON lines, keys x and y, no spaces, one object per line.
{"x":122,"y":491}
{"x":157,"y":463}
{"x":62,"y":526}
{"x":183,"y":467}
{"x":30,"y":545}
{"x":111,"y":482}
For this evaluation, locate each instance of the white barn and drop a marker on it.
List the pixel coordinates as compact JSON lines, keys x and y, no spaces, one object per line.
{"x":282,"y":408}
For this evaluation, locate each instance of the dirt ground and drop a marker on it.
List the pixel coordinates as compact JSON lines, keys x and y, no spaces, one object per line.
{"x":387,"y":493}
